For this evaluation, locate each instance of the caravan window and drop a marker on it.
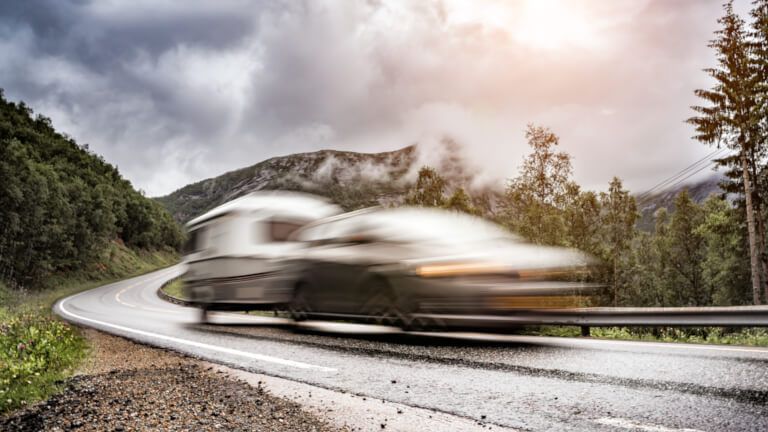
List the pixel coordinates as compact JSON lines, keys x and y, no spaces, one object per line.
{"x":193,"y":243}
{"x":280,"y":231}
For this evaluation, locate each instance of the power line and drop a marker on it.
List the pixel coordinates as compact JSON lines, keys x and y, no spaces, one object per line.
{"x":642,"y":201}
{"x":664,"y":184}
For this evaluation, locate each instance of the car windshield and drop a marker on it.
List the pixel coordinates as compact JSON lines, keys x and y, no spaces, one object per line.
{"x":434,"y":226}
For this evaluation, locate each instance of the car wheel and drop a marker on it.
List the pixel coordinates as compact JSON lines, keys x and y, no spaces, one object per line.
{"x":298,"y":308}
{"x":382,"y":306}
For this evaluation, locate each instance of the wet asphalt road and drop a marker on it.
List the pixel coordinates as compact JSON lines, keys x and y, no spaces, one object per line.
{"x":518,"y":382}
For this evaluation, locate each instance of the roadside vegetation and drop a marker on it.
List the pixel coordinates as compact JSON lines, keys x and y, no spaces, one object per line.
{"x":61,"y":205}
{"x":38,"y":351}
{"x":174,"y":289}
{"x":704,"y":335}
{"x":68,"y":222}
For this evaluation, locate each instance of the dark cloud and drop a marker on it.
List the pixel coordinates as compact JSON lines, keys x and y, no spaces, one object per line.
{"x":176,"y":91}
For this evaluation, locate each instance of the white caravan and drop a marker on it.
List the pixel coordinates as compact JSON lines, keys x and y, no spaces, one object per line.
{"x":235,"y":252}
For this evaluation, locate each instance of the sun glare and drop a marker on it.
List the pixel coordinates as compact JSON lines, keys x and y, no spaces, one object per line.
{"x":552,"y":24}
{"x":539,"y":24}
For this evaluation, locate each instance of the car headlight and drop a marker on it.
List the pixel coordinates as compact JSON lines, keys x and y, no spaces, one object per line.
{"x":460,"y":269}
{"x":490,"y":268}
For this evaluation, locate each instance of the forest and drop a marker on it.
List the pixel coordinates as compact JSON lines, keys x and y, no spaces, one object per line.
{"x":61,"y":205}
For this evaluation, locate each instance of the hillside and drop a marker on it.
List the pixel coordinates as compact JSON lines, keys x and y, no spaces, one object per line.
{"x":699,"y":191}
{"x":353,"y":180}
{"x":62,"y":207}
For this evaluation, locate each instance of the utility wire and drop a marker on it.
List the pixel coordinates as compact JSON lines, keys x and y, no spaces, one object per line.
{"x":642,"y":201}
{"x":664,"y":184}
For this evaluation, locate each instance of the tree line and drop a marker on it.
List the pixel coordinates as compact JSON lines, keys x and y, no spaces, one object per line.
{"x":694,"y":256}
{"x":60,"y":204}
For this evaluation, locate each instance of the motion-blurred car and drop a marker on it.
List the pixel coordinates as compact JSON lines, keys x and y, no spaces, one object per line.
{"x":414,"y":267}
{"x":236,"y":252}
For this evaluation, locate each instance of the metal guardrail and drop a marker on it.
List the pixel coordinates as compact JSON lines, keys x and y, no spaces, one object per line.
{"x":737,"y":316}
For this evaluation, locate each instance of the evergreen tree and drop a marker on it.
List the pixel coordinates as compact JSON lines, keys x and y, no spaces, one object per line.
{"x":726,"y":278}
{"x":732,"y":119}
{"x":617,"y":228}
{"x":686,"y":252}
{"x":583,"y":222}
{"x":461,"y":201}
{"x":759,"y":57}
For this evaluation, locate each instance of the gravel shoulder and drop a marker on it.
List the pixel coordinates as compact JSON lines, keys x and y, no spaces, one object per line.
{"x":125,"y":386}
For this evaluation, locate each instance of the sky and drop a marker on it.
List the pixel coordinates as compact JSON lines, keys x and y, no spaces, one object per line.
{"x":174,"y":92}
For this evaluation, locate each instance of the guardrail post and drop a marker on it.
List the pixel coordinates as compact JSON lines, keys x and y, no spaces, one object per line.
{"x":585,"y":331}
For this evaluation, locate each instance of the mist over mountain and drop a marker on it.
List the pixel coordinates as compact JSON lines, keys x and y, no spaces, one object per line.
{"x":351,"y":179}
{"x":355,"y":180}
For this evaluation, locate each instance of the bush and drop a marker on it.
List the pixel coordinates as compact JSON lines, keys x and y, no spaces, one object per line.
{"x":36,"y":353}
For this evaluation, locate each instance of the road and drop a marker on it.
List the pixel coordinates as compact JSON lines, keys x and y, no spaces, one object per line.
{"x":517,"y":382}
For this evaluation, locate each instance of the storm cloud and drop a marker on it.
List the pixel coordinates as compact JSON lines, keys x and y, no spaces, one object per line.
{"x":174,"y":92}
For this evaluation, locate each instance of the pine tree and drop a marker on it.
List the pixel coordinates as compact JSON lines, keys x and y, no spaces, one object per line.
{"x":686,"y":252}
{"x":759,"y":42}
{"x":617,"y":226}
{"x":726,"y":278}
{"x":583,"y":217}
{"x":731,"y":119}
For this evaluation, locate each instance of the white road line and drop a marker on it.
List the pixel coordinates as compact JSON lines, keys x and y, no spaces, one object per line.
{"x":254,"y":356}
{"x":675,"y":345}
{"x":151,"y":309}
{"x":119,"y":300}
{"x":635,"y":426}
{"x":590,"y":342}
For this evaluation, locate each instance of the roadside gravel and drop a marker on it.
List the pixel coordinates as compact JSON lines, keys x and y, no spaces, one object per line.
{"x":130,"y":387}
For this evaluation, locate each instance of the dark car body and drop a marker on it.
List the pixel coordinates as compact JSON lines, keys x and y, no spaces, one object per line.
{"x":415,"y":267}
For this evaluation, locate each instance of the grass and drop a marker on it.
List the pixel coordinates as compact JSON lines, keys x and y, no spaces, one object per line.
{"x":698,"y":335}
{"x":37,"y":351}
{"x":175,"y":289}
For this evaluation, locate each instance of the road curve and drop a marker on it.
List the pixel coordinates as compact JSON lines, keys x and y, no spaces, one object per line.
{"x":518,"y":382}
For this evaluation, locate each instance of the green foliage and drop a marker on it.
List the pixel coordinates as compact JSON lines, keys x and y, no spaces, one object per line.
{"x":725,"y":253}
{"x":429,"y":189}
{"x":36,"y":353}
{"x":51,"y":349}
{"x":175,"y":288}
{"x":703,"y":335}
{"x":61,"y":205}
{"x":535,"y":202}
{"x":618,"y":215}
{"x":461,"y":201}
{"x":686,"y":253}
{"x":736,"y":116}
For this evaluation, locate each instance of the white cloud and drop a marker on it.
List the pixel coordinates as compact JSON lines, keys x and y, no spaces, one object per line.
{"x":173,"y":94}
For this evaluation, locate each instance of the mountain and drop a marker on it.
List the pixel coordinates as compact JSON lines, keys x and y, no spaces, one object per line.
{"x":351,"y":179}
{"x":356,"y":180}
{"x":650,"y":203}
